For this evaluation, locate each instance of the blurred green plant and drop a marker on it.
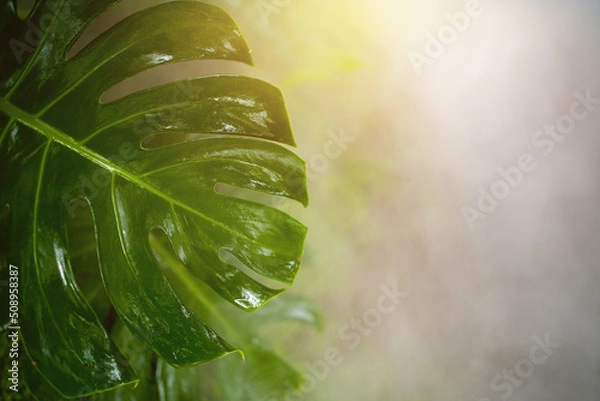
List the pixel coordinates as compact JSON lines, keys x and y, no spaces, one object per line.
{"x":123,"y":243}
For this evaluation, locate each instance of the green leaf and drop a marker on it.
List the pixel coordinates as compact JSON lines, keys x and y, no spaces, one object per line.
{"x":264,"y":376}
{"x":38,"y":385}
{"x":140,"y":357}
{"x":61,"y":148}
{"x":143,"y":362}
{"x":189,"y":384}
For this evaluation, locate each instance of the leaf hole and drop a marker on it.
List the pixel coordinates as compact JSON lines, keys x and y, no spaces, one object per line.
{"x":83,"y":255}
{"x":101,"y":24}
{"x":231,"y":259}
{"x":24,"y":8}
{"x":188,"y":285}
{"x":163,"y":72}
{"x":281,"y":203}
{"x":167,"y":73}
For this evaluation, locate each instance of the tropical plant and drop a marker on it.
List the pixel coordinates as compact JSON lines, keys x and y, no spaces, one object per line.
{"x":101,"y":295}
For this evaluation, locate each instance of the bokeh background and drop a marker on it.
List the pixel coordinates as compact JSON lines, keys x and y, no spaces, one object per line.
{"x":420,"y":142}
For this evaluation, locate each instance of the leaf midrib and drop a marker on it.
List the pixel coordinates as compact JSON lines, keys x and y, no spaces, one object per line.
{"x":55,"y":135}
{"x":60,"y":137}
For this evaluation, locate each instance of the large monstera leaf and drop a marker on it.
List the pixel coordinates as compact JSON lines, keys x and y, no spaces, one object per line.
{"x":62,"y":148}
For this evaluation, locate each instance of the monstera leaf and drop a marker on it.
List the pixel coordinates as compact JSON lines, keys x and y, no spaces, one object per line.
{"x":62,"y":148}
{"x":264,"y":376}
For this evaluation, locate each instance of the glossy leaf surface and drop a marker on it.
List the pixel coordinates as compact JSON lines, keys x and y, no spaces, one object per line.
{"x":61,"y":148}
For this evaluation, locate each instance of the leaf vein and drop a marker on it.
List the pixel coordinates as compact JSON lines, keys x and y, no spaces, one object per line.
{"x":35,"y":247}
